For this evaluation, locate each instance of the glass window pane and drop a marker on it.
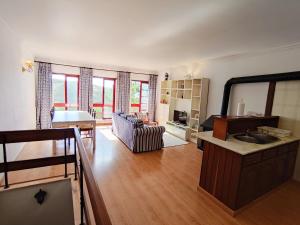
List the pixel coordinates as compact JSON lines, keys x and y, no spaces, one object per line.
{"x":60,"y":109}
{"x":72,"y":108}
{"x":144,"y":107}
{"x":145,"y":87}
{"x":97,"y":90}
{"x":108,"y":92}
{"x":145,"y":97}
{"x":107,"y":114}
{"x":58,"y":88}
{"x":144,"y":100}
{"x":134,"y":109}
{"x":135,"y":92}
{"x":72,"y":93}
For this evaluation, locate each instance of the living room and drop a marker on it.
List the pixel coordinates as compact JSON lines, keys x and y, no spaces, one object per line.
{"x":142,"y":112}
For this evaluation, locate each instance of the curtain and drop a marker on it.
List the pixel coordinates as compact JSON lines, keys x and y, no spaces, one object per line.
{"x":152,"y":97}
{"x":44,"y":96}
{"x":123,"y":90}
{"x":85,"y":89}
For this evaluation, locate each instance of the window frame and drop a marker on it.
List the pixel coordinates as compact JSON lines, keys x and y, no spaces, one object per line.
{"x":102,"y":105}
{"x":141,"y":94}
{"x":66,"y":104}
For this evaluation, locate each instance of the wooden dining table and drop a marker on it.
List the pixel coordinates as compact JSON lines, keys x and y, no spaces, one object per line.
{"x":64,"y":119}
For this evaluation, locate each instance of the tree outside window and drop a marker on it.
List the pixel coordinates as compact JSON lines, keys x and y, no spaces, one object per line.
{"x":139,"y":95}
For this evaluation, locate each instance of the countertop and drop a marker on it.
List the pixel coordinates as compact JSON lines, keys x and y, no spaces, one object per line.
{"x":240,"y":147}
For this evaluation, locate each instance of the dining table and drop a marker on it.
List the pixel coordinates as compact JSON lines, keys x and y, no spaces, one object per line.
{"x":65,"y":119}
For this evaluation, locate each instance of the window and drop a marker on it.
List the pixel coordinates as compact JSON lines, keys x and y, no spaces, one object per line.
{"x":104,"y":97}
{"x":139,"y":96}
{"x":65,"y":91}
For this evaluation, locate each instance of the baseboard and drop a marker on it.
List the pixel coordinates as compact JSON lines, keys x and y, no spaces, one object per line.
{"x":217,"y":202}
{"x":104,"y":122}
{"x":250,"y":204}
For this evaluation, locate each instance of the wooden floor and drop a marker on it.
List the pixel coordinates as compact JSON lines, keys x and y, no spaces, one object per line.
{"x":161,"y":187}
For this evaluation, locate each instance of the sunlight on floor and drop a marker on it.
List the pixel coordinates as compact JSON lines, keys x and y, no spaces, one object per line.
{"x":106,"y":131}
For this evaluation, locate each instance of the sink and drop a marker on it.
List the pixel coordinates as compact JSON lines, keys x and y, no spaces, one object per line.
{"x":246,"y":138}
{"x":255,"y":137}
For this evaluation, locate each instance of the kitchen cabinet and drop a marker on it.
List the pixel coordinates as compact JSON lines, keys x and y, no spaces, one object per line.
{"x":236,"y":179}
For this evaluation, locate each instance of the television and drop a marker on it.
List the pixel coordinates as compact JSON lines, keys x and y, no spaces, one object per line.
{"x":180,"y":117}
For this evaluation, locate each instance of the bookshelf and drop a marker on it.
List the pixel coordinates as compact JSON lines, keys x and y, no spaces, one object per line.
{"x":193,"y":90}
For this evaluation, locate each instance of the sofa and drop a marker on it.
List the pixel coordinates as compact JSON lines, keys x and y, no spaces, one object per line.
{"x":137,"y":136}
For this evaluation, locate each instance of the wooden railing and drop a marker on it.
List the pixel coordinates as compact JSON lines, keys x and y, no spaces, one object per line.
{"x":97,"y":202}
{"x":85,"y":172}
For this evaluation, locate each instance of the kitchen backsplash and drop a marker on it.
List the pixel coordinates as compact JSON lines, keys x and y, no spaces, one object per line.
{"x":287,"y":106}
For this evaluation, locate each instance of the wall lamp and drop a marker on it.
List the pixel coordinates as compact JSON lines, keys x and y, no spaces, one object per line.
{"x":27,"y":66}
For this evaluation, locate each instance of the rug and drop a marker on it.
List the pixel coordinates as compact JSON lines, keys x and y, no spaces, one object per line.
{"x":171,"y":140}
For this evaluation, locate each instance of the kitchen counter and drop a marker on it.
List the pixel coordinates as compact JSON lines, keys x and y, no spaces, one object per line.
{"x":236,"y":173}
{"x":240,"y":147}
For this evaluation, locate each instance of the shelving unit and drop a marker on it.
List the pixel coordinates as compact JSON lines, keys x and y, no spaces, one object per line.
{"x":193,"y":90}
{"x":198,"y":105}
{"x":165,"y":92}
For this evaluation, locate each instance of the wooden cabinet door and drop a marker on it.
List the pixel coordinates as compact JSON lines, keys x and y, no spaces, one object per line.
{"x":291,"y":160}
{"x":267,"y":175}
{"x":248,"y":185}
{"x":280,"y":169}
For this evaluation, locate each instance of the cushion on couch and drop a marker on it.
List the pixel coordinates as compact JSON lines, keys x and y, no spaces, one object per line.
{"x":123,"y":115}
{"x":137,"y":122}
{"x":119,"y":113}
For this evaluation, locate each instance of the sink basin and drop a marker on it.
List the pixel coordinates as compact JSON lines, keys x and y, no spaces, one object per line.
{"x":245,"y":138}
{"x":255,"y":137}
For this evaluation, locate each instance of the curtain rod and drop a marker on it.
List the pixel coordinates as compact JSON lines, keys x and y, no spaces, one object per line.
{"x":60,"y":64}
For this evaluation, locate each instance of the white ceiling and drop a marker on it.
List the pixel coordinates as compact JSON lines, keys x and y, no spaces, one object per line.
{"x":151,"y":34}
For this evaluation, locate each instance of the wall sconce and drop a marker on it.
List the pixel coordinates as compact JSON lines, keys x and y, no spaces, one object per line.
{"x":28,"y":66}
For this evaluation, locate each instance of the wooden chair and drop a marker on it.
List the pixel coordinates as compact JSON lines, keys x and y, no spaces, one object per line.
{"x":52,"y":111}
{"x":87,"y":129}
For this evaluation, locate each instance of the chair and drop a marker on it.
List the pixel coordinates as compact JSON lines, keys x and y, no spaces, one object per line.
{"x":52,"y":111}
{"x":88,"y":129}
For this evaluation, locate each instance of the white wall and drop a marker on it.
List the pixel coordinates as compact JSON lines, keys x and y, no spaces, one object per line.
{"x":17,"y":89}
{"x":220,"y":70}
{"x":245,"y":92}
{"x":287,"y":106}
{"x":97,"y":73}
{"x":65,"y":69}
{"x":76,"y":71}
